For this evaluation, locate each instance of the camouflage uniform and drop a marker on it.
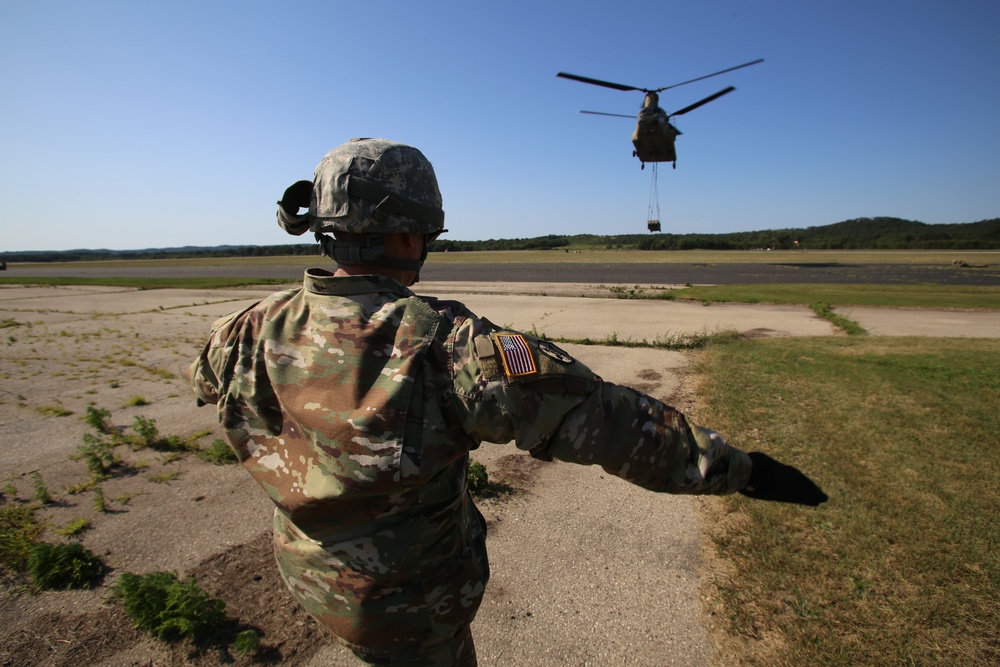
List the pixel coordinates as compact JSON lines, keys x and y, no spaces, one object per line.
{"x":355,"y":403}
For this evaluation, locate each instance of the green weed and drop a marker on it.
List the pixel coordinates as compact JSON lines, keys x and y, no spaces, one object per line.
{"x":41,"y":491}
{"x":19,"y":527}
{"x":56,"y":410}
{"x":100,"y":504}
{"x":82,"y":487}
{"x":97,"y":453}
{"x":850,"y":327}
{"x":218,"y":453}
{"x":99,"y":420}
{"x":666,"y":341}
{"x":148,"y":435}
{"x":63,"y":566}
{"x":478,"y":478}
{"x":161,"y":604}
{"x":74,"y":527}
{"x":246,"y":642}
{"x":164,"y":477}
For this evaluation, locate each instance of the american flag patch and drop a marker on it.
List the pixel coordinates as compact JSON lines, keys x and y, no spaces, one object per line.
{"x":516,"y":355}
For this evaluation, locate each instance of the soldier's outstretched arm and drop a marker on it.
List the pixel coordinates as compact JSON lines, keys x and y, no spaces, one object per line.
{"x":512,"y":386}
{"x":515,"y":387}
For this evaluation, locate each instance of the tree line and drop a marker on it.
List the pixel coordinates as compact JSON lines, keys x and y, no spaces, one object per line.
{"x":881,"y":233}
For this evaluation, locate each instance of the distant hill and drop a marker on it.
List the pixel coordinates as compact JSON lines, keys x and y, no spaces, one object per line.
{"x":858,"y":234}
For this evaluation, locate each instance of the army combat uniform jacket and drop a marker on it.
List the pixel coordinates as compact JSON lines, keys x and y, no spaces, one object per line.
{"x":354,"y":403}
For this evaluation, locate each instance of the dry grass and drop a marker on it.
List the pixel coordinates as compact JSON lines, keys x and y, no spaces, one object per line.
{"x":901,"y":567}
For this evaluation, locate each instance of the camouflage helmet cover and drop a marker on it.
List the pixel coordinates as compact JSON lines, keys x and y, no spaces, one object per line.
{"x":371,"y":186}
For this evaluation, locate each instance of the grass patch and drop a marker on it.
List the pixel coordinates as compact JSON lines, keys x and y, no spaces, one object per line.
{"x":246,"y":642}
{"x":99,"y":419}
{"x":148,"y":435}
{"x":482,"y":488}
{"x":161,"y":604}
{"x":667,"y":341}
{"x":218,"y":453}
{"x":74,"y":527}
{"x":98,"y":455}
{"x":56,"y":410}
{"x":478,"y":477}
{"x":42,"y":494}
{"x":19,"y":527}
{"x":82,"y":487}
{"x":901,"y":566}
{"x":164,"y":477}
{"x":888,"y":296}
{"x":850,"y":327}
{"x":63,"y":566}
{"x":99,"y":502}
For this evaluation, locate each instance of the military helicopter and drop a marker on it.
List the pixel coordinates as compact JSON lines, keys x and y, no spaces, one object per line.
{"x":654,"y":134}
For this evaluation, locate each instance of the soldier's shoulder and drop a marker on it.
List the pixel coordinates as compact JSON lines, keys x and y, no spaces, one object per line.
{"x":448,"y":308}
{"x":277,"y":300}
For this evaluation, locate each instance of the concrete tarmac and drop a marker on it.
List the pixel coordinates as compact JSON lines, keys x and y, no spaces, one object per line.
{"x":587,"y":570}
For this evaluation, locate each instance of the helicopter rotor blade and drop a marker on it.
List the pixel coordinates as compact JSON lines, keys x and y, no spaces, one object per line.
{"x":699,"y":103}
{"x":754,"y":62}
{"x":598,"y":82}
{"x":601,"y":113}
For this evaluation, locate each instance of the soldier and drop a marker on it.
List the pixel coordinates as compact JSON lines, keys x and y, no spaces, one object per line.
{"x":354,"y":403}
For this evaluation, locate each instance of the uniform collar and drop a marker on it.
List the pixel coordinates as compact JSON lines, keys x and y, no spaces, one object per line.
{"x":321,"y":281}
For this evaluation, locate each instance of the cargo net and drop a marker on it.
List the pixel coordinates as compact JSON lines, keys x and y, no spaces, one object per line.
{"x":653,"y":211}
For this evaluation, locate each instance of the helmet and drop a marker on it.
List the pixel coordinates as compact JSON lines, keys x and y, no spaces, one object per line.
{"x":366,"y":186}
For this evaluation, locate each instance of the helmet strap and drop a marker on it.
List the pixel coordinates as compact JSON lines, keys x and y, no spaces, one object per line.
{"x":371,"y":250}
{"x":390,"y":203}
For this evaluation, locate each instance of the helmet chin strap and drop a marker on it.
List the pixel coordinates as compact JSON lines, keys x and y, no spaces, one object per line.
{"x":369,"y":251}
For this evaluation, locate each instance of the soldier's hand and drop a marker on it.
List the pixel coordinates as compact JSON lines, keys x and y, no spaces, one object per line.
{"x":773,"y":480}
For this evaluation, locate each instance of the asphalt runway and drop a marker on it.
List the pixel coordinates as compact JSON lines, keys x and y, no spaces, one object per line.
{"x":606,"y":273}
{"x":714,"y":274}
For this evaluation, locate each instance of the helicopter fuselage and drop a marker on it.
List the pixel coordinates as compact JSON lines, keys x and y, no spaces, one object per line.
{"x":654,"y":136}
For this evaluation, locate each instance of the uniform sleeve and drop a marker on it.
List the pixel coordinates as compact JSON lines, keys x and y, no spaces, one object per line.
{"x":207,"y":371}
{"x":511,"y":386}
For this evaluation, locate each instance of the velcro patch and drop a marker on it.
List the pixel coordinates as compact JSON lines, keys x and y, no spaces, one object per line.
{"x":517,"y":357}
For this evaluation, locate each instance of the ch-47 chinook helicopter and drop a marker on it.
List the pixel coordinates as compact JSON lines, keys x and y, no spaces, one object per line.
{"x":654,"y":134}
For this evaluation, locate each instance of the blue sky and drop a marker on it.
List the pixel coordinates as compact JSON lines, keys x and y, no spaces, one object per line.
{"x":153,"y":124}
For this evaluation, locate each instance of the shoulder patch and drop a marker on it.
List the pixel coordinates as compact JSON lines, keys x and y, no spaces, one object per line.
{"x":557,"y":353}
{"x":517,"y":357}
{"x":487,"y":354}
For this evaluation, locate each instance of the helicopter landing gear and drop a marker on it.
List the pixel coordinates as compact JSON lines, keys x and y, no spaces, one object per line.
{"x":642,"y":166}
{"x":675,"y":164}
